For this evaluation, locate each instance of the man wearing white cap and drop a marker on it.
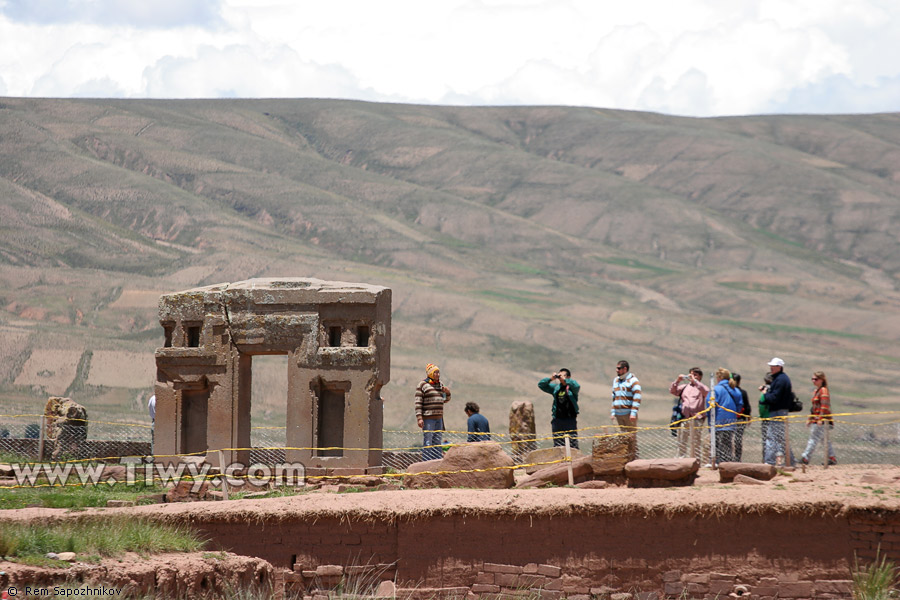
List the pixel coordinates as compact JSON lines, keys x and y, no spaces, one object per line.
{"x":777,"y":398}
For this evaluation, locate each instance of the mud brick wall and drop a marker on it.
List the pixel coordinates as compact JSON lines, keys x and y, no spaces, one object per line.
{"x":664,"y":556}
{"x":874,"y":534}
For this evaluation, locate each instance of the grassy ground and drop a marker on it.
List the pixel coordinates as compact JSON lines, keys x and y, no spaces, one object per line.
{"x":109,"y":537}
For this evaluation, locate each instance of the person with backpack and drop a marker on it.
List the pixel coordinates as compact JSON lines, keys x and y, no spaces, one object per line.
{"x":743,"y":419}
{"x":819,"y":418}
{"x":728,"y":406}
{"x":564,"y":422}
{"x":779,"y":399}
{"x":691,"y":393}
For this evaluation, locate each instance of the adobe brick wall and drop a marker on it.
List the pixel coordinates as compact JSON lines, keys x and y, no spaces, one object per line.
{"x":702,"y":556}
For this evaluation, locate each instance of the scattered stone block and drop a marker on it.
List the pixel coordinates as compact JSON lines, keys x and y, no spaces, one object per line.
{"x":119,"y":503}
{"x":592,"y":485}
{"x":670,"y":472}
{"x":66,"y":556}
{"x":386,"y":589}
{"x":746,"y":480}
{"x":461,"y":468}
{"x":662,"y":468}
{"x":762,"y":472}
{"x":559,"y":474}
{"x":547,"y":455}
{"x":612,"y":453}
{"x":183,"y":492}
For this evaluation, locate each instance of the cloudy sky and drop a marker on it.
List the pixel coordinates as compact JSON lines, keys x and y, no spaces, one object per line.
{"x":686,"y":57}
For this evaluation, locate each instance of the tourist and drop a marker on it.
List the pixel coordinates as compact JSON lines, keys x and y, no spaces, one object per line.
{"x":728,"y":405}
{"x":764,"y":413}
{"x":564,"y":412}
{"x":778,"y":400}
{"x":692,"y":398}
{"x":743,"y":419}
{"x":477,"y":424}
{"x":626,"y":400}
{"x":431,"y":395}
{"x":819,"y":418}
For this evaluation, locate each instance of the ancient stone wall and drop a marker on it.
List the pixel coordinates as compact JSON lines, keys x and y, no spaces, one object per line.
{"x":689,"y":554}
{"x":337,"y":339}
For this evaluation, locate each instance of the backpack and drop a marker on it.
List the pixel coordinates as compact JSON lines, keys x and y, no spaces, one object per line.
{"x":796,"y":404}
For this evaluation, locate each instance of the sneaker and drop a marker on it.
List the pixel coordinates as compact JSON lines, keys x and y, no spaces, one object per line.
{"x":804,"y":460}
{"x":832,"y":460}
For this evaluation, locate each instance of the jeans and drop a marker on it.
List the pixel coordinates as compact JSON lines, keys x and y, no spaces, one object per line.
{"x":739,"y":440}
{"x":775,"y":440}
{"x":560,"y":426}
{"x":816,"y":433}
{"x":433,"y":430}
{"x":724,"y":446}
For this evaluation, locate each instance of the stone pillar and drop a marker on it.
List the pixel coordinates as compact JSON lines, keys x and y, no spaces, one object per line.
{"x":521,"y":429}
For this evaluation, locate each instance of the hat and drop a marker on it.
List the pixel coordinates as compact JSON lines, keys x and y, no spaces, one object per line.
{"x":430,"y":369}
{"x":776,"y":362}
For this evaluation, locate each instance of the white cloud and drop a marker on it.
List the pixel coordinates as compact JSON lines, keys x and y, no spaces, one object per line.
{"x":135,"y":13}
{"x":692,"y":57}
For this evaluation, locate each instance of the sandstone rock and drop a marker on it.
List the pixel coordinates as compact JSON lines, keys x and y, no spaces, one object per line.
{"x":545,"y":455}
{"x":119,"y":503}
{"x":6,"y":470}
{"x":117,"y":472}
{"x":747,"y":480}
{"x":521,"y":429}
{"x":559,"y":474}
{"x":662,"y":468}
{"x":329,"y":571}
{"x":612,"y":453}
{"x":592,"y":485}
{"x":386,"y":589}
{"x":468,"y":457}
{"x":182,"y":492}
{"x":763,"y":472}
{"x":66,"y":556}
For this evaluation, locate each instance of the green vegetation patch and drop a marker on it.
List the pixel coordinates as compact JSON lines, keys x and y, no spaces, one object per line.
{"x":755,"y":287}
{"x":73,"y":496}
{"x":107,"y":537}
{"x":636,"y":264}
{"x":775,"y":329}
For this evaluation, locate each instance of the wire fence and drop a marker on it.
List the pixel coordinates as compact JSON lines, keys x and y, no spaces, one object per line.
{"x":856,"y":439}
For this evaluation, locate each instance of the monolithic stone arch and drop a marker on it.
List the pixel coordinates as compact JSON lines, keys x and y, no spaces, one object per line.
{"x":337,"y":337}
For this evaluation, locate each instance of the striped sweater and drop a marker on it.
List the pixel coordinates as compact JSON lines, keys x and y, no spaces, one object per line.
{"x":626,"y":395}
{"x":430,"y":401}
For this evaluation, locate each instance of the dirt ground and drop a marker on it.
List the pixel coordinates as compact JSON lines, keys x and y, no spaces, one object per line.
{"x":831,"y":489}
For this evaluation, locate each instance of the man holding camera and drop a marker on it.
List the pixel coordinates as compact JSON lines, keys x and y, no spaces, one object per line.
{"x":564,"y":390}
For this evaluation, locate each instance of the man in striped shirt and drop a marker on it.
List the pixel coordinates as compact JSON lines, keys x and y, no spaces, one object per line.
{"x":626,"y":399}
{"x":431,"y":395}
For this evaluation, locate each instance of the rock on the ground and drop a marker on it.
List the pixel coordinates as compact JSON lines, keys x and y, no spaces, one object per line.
{"x":662,"y":468}
{"x":66,"y":556}
{"x":468,"y":457}
{"x":747,"y":480}
{"x":592,"y":485}
{"x":559,"y":474}
{"x":763,"y":472}
{"x":386,"y":589}
{"x":183,"y":492}
{"x":548,"y":455}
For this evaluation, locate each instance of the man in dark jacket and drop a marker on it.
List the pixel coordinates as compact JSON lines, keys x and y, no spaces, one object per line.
{"x":777,"y":397}
{"x":564,"y":390}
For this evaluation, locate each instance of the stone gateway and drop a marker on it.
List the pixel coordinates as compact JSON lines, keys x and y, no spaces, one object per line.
{"x":337,"y":337}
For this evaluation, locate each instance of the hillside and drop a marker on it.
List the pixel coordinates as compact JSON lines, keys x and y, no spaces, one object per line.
{"x":516,"y":240}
